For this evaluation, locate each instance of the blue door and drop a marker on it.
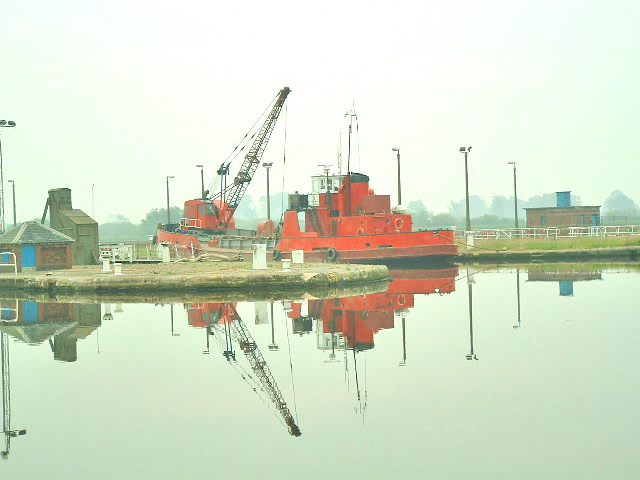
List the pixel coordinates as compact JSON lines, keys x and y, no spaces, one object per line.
{"x":28,"y":256}
{"x":594,"y":220}
{"x":30,"y":312}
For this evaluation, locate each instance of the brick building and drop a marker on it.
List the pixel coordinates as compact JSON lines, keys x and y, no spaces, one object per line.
{"x":36,"y":247}
{"x":563,"y":214}
{"x":76,"y":224}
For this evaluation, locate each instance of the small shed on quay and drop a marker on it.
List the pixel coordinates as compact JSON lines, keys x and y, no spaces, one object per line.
{"x":563,"y":214}
{"x":36,"y":247}
{"x":73,"y":222}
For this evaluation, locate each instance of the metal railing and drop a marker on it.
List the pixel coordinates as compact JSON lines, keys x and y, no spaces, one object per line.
{"x":556,"y":232}
{"x":14,"y":264}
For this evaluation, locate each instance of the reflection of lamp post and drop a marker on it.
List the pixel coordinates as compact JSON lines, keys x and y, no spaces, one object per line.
{"x":399,"y":190}
{"x":273,"y":346}
{"x":403,"y":362}
{"x":13,"y":184}
{"x":3,"y":124}
{"x":470,"y":282}
{"x":168,"y":208}
{"x":201,"y":179}
{"x":208,"y":332}
{"x":267,"y":166}
{"x":518,"y":294}
{"x":6,"y":397}
{"x":173,"y":334}
{"x":515,"y":194}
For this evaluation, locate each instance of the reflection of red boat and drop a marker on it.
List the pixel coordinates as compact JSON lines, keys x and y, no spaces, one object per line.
{"x":358,"y":318}
{"x":344,"y":220}
{"x":423,"y":280}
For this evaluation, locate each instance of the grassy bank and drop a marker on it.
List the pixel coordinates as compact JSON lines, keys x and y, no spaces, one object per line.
{"x":523,"y":244}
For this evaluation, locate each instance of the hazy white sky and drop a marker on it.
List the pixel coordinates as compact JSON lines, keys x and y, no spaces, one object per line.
{"x":120,"y":94}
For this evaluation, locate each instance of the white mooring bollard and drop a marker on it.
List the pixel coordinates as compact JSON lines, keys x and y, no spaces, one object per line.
{"x":117,"y":267}
{"x":259,"y":256}
{"x":106,"y":267}
{"x":286,"y":264}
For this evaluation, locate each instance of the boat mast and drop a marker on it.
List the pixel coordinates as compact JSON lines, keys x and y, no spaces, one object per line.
{"x":351,"y":114}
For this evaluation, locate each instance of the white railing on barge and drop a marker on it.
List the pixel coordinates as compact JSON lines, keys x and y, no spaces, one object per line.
{"x":554,"y":232}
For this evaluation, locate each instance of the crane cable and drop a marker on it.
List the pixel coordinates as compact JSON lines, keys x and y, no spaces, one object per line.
{"x":254,"y":385}
{"x":238,"y":148}
{"x":284,"y":160}
{"x":293,"y":385}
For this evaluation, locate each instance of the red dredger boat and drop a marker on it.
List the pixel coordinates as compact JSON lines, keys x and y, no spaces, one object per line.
{"x":344,"y":220}
{"x":208,"y":221}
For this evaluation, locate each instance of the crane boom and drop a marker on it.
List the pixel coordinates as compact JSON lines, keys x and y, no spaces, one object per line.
{"x":237,"y":189}
{"x":261,"y":369}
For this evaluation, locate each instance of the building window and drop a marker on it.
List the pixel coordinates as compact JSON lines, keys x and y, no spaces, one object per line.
{"x":582,"y":219}
{"x":543,"y":220}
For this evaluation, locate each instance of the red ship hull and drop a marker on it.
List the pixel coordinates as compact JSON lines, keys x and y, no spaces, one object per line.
{"x":351,"y":223}
{"x":393,"y":246}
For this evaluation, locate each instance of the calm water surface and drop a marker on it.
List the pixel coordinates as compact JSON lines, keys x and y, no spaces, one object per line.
{"x":532,"y":380}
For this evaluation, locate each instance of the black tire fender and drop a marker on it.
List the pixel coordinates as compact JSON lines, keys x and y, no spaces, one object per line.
{"x":332,"y":254}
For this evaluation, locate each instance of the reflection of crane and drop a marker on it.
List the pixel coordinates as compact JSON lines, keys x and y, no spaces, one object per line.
{"x":233,"y":324}
{"x":6,"y":397}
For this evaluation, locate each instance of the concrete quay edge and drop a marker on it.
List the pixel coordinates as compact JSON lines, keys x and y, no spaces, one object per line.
{"x":617,"y":254}
{"x":235,"y":283}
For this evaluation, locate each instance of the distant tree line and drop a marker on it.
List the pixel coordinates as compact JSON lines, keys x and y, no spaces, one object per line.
{"x":617,"y":209}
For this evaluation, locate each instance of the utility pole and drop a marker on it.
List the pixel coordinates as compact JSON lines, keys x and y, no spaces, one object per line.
{"x":466,"y":184}
{"x":13,"y":184}
{"x":168,"y":207}
{"x":201,"y":167}
{"x":515,"y":194}
{"x":3,"y":124}
{"x":267,"y":166}
{"x":399,"y":190}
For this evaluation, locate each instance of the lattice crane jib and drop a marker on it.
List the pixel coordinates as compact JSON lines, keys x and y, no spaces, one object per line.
{"x":237,"y":189}
{"x":261,"y":369}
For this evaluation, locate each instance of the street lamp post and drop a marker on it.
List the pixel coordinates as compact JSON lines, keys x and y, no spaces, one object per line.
{"x":3,"y":124}
{"x":267,"y":166}
{"x":466,"y":151}
{"x":399,"y":190}
{"x":201,"y":179}
{"x":13,"y":184}
{"x":168,"y":207}
{"x":515,"y":194}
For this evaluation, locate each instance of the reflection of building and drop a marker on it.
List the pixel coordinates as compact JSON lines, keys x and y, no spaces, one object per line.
{"x":565,"y":275}
{"x":563,"y":214}
{"x":62,"y":324}
{"x":36,"y":247}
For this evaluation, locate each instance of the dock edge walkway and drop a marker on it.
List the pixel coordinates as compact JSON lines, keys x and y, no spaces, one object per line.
{"x":305,"y":278}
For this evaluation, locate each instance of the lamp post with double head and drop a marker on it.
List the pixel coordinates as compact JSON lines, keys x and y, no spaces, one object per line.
{"x":3,"y":124}
{"x":466,"y":151}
